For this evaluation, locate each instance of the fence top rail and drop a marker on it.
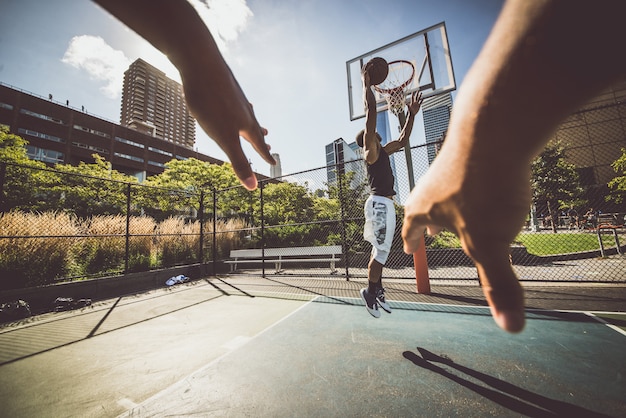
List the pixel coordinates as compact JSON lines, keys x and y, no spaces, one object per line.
{"x":289,"y":251}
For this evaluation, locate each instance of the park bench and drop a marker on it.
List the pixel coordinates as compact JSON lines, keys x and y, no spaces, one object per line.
{"x":279,"y":256}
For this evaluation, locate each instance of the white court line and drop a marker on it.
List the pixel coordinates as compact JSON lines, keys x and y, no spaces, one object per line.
{"x":535,"y":311}
{"x":241,"y":343}
{"x":183,"y":382}
{"x":602,"y":321}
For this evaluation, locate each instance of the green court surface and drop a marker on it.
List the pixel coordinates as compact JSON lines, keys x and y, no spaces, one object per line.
{"x":300,"y":347}
{"x":330,"y":358}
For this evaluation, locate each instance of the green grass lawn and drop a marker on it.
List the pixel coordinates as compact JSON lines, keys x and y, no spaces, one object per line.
{"x":563,"y":242}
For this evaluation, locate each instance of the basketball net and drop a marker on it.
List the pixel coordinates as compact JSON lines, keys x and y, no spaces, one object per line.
{"x":393,"y":89}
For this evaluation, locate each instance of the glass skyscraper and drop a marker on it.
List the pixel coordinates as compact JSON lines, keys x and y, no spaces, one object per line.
{"x":436,"y":111}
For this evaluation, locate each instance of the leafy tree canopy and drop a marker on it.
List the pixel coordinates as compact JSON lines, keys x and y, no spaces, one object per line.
{"x":618,"y":183}
{"x":194,"y":175}
{"x":554,"y":180}
{"x":13,"y":149}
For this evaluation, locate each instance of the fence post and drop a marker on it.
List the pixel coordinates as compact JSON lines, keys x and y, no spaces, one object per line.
{"x":214,"y":249}
{"x":201,"y":210}
{"x":127,"y":228}
{"x":344,"y":238}
{"x":3,"y":172}
{"x":261,"y":186}
{"x":600,"y":242}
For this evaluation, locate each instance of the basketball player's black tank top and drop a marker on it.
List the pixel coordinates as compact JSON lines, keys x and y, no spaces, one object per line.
{"x":380,"y":176}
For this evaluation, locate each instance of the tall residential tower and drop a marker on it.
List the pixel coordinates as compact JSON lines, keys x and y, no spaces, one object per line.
{"x":154,"y":104}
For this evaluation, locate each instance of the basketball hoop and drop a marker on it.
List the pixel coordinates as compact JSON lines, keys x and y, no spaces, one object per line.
{"x":393,"y":89}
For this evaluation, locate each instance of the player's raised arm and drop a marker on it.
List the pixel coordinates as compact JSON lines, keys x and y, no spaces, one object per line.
{"x":403,"y":139}
{"x":213,"y":95}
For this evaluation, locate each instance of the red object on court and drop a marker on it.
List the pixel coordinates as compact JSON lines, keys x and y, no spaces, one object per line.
{"x":421,"y":268}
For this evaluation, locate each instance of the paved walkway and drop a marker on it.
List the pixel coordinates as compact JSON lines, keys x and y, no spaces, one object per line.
{"x":244,"y":346}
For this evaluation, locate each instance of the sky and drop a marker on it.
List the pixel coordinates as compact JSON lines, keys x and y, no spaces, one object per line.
{"x":288,"y":56}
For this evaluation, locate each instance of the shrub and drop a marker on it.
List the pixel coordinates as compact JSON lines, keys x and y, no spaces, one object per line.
{"x":445,"y":239}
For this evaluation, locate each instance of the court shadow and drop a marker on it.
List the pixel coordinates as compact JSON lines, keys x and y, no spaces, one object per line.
{"x":503,"y":393}
{"x":30,"y":341}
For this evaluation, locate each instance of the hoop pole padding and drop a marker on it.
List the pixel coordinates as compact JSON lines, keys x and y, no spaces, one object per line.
{"x":421,"y":268}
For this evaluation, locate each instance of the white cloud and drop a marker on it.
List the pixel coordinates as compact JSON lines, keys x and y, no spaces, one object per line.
{"x":102,"y":62}
{"x":224,"y":18}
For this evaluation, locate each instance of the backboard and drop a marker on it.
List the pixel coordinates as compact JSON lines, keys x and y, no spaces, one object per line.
{"x":429,"y":52}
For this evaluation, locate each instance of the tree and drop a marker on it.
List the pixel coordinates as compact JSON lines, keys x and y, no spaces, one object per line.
{"x":88,"y":189}
{"x":21,"y":176}
{"x":287,"y":203}
{"x":350,"y":193}
{"x":554,"y":180}
{"x":179,"y":186}
{"x":618,"y":183}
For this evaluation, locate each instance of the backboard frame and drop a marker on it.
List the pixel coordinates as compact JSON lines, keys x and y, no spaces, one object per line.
{"x":428,"y":49}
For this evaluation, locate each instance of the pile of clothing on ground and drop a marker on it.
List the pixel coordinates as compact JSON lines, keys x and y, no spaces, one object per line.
{"x":181,"y":278}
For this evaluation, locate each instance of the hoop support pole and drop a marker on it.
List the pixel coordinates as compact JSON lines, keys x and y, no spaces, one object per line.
{"x":421,"y":268}
{"x":419,"y":257}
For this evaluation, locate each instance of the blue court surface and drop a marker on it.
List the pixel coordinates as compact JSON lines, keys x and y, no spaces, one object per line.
{"x":330,"y":358}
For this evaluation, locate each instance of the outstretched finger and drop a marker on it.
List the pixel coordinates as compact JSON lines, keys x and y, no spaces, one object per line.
{"x":240,"y":163}
{"x":502,"y":290}
{"x":255,"y":135}
{"x":256,"y":138}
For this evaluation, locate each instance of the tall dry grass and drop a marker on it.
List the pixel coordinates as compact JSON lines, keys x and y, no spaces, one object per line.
{"x":26,"y":261}
{"x":178,"y":241}
{"x":230,"y":235}
{"x":142,"y":253}
{"x":104,"y":248}
{"x":96,"y":246}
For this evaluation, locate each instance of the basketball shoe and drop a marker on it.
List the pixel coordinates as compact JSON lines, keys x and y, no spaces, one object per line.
{"x":380,"y":298}
{"x":370,"y":303}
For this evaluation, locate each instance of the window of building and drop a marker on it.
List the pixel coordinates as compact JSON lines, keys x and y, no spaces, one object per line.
{"x":41,"y":116}
{"x":128,"y":157}
{"x":6,"y":106}
{"x":92,"y":131}
{"x":90,"y":147}
{"x":160,"y":151}
{"x":129,"y":142}
{"x":40,"y":135}
{"x":155,"y":163}
{"x":45,"y":155}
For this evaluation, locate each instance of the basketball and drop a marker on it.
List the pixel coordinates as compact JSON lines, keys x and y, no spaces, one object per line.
{"x":377,"y":69}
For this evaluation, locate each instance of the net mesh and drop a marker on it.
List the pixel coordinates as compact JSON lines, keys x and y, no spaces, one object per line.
{"x":393,"y":89}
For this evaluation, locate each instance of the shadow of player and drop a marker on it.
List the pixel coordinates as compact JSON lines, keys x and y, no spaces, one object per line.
{"x":503,"y":393}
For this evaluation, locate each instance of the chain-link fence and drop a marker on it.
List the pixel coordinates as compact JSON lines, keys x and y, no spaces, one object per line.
{"x":324,"y":207}
{"x":58,"y":226}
